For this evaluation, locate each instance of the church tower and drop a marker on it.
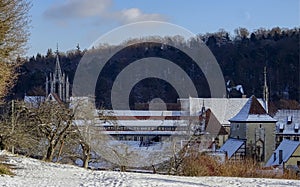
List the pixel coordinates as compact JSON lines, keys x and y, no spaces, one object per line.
{"x":254,"y":125}
{"x":57,"y":83}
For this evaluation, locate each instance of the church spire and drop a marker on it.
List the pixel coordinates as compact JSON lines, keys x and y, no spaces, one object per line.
{"x":266,"y":90}
{"x":58,"y":82}
{"x":58,"y":72}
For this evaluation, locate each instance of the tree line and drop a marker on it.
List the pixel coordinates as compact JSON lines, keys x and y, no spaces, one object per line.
{"x":241,"y":56}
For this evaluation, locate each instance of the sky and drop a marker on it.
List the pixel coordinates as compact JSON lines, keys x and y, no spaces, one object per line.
{"x":71,"y":22}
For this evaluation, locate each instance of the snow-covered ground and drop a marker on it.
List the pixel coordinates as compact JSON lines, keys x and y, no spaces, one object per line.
{"x":31,"y":172}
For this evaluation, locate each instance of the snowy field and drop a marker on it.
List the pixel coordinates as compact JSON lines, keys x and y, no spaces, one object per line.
{"x":31,"y":172}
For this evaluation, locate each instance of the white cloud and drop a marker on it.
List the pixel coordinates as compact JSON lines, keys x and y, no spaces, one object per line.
{"x":77,"y":9}
{"x":70,"y":10}
{"x":135,"y":14}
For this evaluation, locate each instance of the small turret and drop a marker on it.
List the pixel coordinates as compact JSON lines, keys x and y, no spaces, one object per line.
{"x":266,"y":91}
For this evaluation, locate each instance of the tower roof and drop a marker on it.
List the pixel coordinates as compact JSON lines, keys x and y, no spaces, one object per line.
{"x":57,"y":67}
{"x":252,"y":111}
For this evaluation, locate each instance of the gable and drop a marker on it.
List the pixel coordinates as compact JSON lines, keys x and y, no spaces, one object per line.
{"x":212,"y":124}
{"x":54,"y":97}
{"x":255,"y":107}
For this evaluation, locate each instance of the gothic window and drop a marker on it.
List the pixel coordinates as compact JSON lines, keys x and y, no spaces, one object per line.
{"x":56,"y":88}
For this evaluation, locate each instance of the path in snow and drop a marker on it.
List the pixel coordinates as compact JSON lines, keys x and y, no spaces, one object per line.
{"x":31,"y":172}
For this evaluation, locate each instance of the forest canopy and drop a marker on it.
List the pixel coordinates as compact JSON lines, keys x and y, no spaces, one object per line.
{"x":242,"y":57}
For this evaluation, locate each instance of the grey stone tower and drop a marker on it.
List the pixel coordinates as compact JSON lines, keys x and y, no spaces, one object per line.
{"x":58,"y":83}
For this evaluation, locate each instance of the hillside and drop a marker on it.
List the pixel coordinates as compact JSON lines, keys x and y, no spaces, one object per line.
{"x":31,"y":172}
{"x":242,"y":58}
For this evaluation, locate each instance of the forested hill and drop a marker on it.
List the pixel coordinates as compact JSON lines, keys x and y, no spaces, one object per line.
{"x":242,"y":58}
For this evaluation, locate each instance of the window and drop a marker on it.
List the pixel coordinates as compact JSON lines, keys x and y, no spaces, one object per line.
{"x":296,"y":138}
{"x":237,"y":126}
{"x":260,"y":126}
{"x":288,"y":138}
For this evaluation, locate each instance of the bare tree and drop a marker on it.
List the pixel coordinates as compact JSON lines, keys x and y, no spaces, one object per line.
{"x":18,"y":129}
{"x":54,"y":122}
{"x":242,"y":33}
{"x":14,"y":28}
{"x":14,"y":33}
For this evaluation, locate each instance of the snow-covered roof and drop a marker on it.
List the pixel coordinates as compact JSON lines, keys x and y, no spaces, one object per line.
{"x":34,"y":100}
{"x":288,"y":122}
{"x":149,"y":133}
{"x":143,"y":113}
{"x":223,"y":108}
{"x":252,"y":111}
{"x":288,"y":147}
{"x":134,"y":123}
{"x":231,"y":146}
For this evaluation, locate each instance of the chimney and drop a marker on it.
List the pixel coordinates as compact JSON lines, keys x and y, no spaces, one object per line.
{"x":274,"y":156}
{"x":280,"y":156}
{"x":214,"y":146}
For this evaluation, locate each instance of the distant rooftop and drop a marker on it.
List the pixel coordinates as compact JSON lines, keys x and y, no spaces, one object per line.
{"x":288,"y":122}
{"x":288,"y":147}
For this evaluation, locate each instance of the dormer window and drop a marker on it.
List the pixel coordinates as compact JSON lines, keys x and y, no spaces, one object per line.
{"x":289,"y":119}
{"x":281,"y":127}
{"x":296,"y":127}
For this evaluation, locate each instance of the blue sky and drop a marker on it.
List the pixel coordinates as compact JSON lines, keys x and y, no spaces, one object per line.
{"x":69,"y":22}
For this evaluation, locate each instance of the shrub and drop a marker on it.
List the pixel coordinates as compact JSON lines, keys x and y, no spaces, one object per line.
{"x":5,"y":170}
{"x":204,"y":165}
